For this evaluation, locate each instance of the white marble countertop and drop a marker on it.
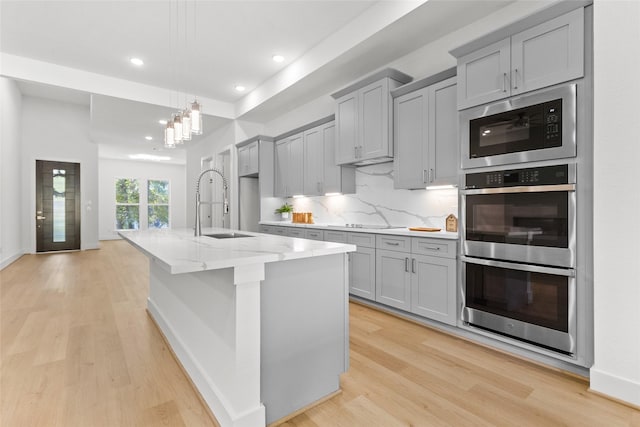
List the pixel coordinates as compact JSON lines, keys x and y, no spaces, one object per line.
{"x":179,"y":251}
{"x":399,"y":231}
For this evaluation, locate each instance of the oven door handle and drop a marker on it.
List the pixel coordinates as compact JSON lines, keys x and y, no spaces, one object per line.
{"x":522,"y":189}
{"x":568,"y":272}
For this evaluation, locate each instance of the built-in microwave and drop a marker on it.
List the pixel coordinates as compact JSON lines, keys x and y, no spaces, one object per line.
{"x":537,"y":126}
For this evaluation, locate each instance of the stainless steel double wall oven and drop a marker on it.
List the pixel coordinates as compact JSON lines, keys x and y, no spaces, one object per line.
{"x":518,"y":218}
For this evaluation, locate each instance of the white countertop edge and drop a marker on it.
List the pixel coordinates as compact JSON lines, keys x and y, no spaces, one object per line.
{"x":158,"y":247}
{"x":400,"y":231}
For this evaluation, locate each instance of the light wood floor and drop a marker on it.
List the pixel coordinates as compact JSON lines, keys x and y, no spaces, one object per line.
{"x":78,"y":349}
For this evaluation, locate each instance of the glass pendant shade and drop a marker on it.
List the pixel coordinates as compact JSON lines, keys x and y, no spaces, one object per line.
{"x":177,"y":126}
{"x":196,"y":118}
{"x":186,"y":125}
{"x":169,"y":135}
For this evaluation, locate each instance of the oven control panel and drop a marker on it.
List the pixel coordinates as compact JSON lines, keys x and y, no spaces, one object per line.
{"x":546,"y":175}
{"x":552,"y":112}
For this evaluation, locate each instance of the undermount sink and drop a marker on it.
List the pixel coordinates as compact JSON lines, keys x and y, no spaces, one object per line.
{"x":226,"y":235}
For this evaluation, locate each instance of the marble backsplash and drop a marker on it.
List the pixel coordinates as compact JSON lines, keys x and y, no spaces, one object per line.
{"x":376,"y":202}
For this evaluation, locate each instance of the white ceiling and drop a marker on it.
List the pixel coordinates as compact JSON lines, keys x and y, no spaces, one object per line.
{"x":326,"y":44}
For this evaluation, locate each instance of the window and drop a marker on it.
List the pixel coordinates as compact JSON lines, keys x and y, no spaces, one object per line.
{"x":127,"y":204}
{"x":158,"y":203}
{"x":59,"y":205}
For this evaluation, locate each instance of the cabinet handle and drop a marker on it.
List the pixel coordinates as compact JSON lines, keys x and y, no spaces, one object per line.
{"x":413,"y":265}
{"x":504,"y":82}
{"x":355,"y":152}
{"x":515,"y":80}
{"x":424,"y":176}
{"x":406,"y":265}
{"x":432,"y":248}
{"x":393,"y":243}
{"x":430,"y":175}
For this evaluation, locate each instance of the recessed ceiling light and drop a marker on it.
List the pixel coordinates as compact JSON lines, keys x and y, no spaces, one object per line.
{"x":278,"y":58}
{"x":240,"y":88}
{"x":148,"y":138}
{"x":162,"y":122}
{"x":137,"y":61}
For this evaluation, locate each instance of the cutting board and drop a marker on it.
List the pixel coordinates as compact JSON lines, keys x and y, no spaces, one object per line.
{"x":424,"y":229}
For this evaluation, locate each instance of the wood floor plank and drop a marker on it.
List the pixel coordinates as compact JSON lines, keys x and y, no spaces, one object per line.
{"x":77,"y":348}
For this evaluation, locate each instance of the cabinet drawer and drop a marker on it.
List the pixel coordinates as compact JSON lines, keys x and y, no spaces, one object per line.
{"x":281,"y":231}
{"x":267,"y":229}
{"x":433,"y":247}
{"x":393,"y":243}
{"x":364,"y":240}
{"x":335,"y":236}
{"x":314,"y":234}
{"x":295,"y":232}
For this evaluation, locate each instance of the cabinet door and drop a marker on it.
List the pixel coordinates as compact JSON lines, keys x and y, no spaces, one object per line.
{"x":362,"y":273}
{"x":332,"y":173}
{"x":483,"y":75}
{"x":443,"y":134}
{"x":433,"y":288}
{"x":243,"y":160}
{"x":393,"y":279}
{"x":346,"y":128}
{"x":373,"y":137}
{"x":253,"y":158}
{"x":295,"y":176}
{"x":281,"y":168}
{"x":549,"y":53}
{"x":313,"y":158}
{"x":410,"y":140}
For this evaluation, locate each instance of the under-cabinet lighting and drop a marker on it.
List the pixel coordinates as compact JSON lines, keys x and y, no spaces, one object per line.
{"x":333,"y":194}
{"x":298,"y":196}
{"x":440,"y":187}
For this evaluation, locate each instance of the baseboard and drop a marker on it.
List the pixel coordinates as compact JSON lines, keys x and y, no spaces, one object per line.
{"x":10,"y":260}
{"x":614,"y":387}
{"x":207,"y":390}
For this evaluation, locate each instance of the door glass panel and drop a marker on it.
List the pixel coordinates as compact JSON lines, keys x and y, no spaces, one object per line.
{"x":59,"y":205}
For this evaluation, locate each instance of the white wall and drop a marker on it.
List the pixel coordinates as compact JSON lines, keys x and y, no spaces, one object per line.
{"x":11,"y":246}
{"x":58,"y":131}
{"x":616,"y":371}
{"x":110,"y":169}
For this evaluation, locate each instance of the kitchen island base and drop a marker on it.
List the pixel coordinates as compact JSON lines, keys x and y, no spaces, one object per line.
{"x":259,"y":341}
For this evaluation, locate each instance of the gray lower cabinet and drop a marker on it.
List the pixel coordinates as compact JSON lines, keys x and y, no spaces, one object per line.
{"x":417,"y":275}
{"x":362,"y":265}
{"x":314,"y":234}
{"x":295,"y":232}
{"x":267,"y":229}
{"x":433,"y":291}
{"x":393,"y":280}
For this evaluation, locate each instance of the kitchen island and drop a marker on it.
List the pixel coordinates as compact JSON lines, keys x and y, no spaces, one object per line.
{"x":259,"y":322}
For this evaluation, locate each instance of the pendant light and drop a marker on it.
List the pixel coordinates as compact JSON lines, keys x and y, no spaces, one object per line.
{"x":186,"y":125}
{"x":169,"y":135}
{"x":196,"y":118}
{"x":177,"y":127}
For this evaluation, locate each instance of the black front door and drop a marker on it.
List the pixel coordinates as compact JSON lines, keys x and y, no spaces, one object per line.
{"x":57,"y":206}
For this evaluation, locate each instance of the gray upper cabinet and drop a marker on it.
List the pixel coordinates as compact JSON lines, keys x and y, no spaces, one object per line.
{"x":313,"y":157}
{"x":321,"y":174}
{"x":546,"y":54}
{"x":289,"y":166}
{"x":425,"y":135}
{"x":256,"y":160}
{"x":364,"y":119}
{"x":248,"y":159}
